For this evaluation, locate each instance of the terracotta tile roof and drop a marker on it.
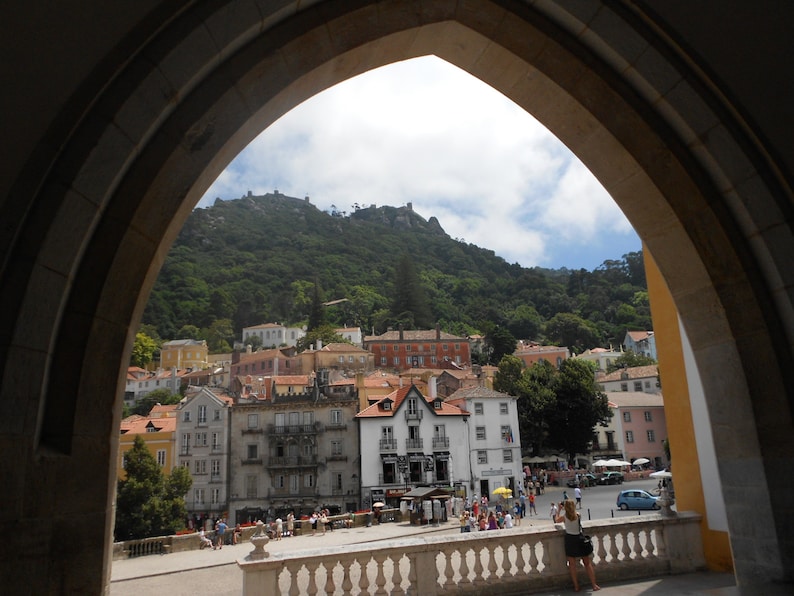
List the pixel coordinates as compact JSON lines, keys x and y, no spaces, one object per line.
{"x":539,"y":349}
{"x":139,"y":426}
{"x":398,"y":397}
{"x":342,"y":347}
{"x":639,"y":335}
{"x":264,"y":354}
{"x":632,"y":372}
{"x":300,"y":380}
{"x":414,"y":335}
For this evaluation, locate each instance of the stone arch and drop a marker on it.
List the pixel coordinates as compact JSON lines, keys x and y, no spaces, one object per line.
{"x":136,"y":149}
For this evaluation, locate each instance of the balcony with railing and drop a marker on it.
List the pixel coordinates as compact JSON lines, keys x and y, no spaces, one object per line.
{"x":440,"y":443}
{"x":519,"y":561}
{"x":292,"y":461}
{"x":295,"y":429}
{"x":413,"y":414}
{"x":414,"y":443}
{"x":388,"y":444}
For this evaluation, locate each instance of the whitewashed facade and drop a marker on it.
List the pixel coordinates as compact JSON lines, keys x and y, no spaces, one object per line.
{"x":408,"y":440}
{"x":493,"y":439}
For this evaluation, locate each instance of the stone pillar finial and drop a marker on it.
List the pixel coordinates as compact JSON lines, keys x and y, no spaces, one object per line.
{"x":259,"y":540}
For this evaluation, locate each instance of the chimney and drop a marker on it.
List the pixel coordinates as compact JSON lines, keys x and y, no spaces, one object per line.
{"x":431,"y":387}
{"x":401,"y":332}
{"x":438,"y":331}
{"x":319,"y":345}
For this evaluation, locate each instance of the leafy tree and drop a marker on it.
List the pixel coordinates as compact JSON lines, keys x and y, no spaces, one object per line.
{"x":556,"y":408}
{"x":143,"y":350}
{"x":628,"y":360}
{"x":326,"y":333}
{"x":219,"y":336}
{"x":501,"y":343}
{"x":159,"y":396}
{"x":578,"y":408}
{"x":149,"y":503}
{"x":189,"y":332}
{"x":572,"y":331}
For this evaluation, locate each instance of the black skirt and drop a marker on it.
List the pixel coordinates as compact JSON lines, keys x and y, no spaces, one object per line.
{"x":575,"y":547}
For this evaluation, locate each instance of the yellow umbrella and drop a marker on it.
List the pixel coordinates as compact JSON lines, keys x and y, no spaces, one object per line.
{"x":503,"y":491}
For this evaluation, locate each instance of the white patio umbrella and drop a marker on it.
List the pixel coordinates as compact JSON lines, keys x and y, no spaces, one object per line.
{"x":661,"y":474}
{"x":600,"y":463}
{"x":641,"y":460}
{"x":616,"y":463}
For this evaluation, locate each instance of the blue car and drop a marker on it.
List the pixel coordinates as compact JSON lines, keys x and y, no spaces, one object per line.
{"x":637,"y":499}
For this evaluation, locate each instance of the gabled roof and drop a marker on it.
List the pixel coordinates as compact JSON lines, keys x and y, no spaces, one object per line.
{"x":342,"y":347}
{"x":139,"y":425}
{"x":630,"y":373}
{"x":415,"y":335}
{"x":218,"y":396}
{"x":397,"y":398}
{"x":478,"y":392}
{"x":264,"y":354}
{"x":639,"y":335}
{"x":630,"y":399}
{"x":175,"y":343}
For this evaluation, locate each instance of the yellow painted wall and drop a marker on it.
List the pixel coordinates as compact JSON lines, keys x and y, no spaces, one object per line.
{"x":685,"y":457}
{"x":155,"y":442}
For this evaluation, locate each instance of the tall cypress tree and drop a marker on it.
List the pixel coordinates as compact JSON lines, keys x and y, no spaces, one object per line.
{"x":410,"y":306}
{"x":317,"y":312}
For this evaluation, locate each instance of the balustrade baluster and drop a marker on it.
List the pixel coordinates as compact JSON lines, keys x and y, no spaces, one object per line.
{"x":292,"y":573}
{"x":380,"y":577}
{"x":507,"y":564}
{"x":311,"y":589}
{"x":520,"y":562}
{"x":492,"y":567}
{"x":599,"y":551}
{"x":533,"y":558}
{"x":464,"y":565}
{"x":363,"y":580}
{"x":478,"y":568}
{"x":546,"y":558}
{"x":347,"y":582}
{"x":626,"y":546}
{"x":614,"y":553}
{"x":330,"y":583}
{"x":661,"y":543}
{"x":396,"y":576}
{"x":449,"y":570}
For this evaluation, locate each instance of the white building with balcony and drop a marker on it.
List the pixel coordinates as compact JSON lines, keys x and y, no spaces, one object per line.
{"x":407,"y":440}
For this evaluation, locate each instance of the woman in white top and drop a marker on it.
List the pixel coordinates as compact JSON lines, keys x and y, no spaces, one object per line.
{"x":573,"y":545}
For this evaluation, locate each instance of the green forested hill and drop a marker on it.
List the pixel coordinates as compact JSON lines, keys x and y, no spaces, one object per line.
{"x":257,"y":259}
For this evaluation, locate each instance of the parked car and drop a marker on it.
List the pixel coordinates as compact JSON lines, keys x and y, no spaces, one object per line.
{"x":610,"y":478}
{"x":584,"y":480}
{"x":636,"y":499}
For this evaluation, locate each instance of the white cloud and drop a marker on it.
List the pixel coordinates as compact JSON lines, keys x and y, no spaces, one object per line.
{"x":425,"y":132}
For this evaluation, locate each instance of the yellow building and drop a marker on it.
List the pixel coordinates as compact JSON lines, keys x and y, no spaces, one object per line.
{"x":158,"y":431}
{"x":184,"y":353}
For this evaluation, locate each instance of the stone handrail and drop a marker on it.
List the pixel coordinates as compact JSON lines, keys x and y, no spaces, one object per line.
{"x":523,"y":560}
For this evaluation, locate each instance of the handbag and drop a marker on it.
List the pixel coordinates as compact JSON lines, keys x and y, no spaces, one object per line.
{"x":585,"y":542}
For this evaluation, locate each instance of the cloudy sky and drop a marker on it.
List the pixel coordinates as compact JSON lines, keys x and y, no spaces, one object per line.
{"x":425,"y":132}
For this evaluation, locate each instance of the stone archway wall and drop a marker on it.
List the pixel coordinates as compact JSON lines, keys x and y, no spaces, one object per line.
{"x":192,"y":89}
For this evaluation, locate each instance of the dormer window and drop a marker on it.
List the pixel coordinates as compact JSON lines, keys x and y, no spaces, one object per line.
{"x":387,"y":405}
{"x":437,"y":404}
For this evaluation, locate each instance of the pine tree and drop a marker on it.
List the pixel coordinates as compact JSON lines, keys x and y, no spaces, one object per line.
{"x":317,"y":313}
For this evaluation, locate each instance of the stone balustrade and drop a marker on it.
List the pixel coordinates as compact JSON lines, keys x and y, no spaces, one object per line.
{"x":516,"y":561}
